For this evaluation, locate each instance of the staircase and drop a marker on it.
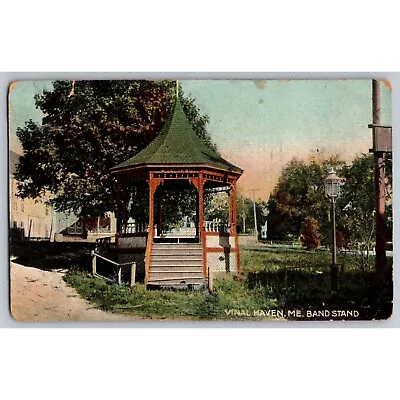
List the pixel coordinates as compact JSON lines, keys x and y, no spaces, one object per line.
{"x":176,"y":265}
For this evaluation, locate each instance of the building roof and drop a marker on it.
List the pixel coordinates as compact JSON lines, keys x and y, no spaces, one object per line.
{"x":178,"y":144}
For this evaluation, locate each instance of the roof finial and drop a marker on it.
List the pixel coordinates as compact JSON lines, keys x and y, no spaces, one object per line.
{"x":177,"y":89}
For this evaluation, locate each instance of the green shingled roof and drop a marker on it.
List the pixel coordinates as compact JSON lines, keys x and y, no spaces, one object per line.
{"x":177,"y":144}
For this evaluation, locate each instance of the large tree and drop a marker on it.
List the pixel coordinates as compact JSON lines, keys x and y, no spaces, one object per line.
{"x":89,"y":127}
{"x":356,"y":205}
{"x":299,"y":194}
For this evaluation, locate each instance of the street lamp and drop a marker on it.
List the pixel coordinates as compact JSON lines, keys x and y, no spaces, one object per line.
{"x":332,"y":190}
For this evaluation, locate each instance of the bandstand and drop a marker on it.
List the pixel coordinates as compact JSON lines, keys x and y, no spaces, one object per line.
{"x":177,"y":160}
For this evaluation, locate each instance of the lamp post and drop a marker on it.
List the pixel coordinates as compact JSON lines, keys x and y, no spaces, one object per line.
{"x":332,"y":190}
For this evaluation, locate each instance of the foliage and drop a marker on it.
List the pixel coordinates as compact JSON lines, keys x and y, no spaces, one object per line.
{"x":89,"y":127}
{"x":217,"y":206}
{"x":310,"y":235}
{"x":270,"y":279}
{"x":301,"y":279}
{"x":272,"y":259}
{"x":356,"y":204}
{"x":162,"y":304}
{"x":300,"y":193}
{"x":245,"y":214}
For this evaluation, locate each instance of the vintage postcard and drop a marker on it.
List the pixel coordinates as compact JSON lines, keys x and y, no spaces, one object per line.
{"x":250,"y":200}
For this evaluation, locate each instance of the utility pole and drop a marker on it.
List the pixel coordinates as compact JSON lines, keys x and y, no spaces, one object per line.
{"x":255,"y":214}
{"x":380,"y":248}
{"x":244,"y":215}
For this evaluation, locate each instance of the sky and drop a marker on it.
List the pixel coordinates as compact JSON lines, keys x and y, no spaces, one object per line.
{"x":261,"y":125}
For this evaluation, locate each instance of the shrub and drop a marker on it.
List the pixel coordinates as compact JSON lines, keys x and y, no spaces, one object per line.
{"x":310,"y":233}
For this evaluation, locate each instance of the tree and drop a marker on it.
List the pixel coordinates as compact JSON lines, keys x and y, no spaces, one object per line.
{"x":356,"y":204}
{"x":310,"y":235}
{"x":89,"y":127}
{"x":298,"y":194}
{"x":245,"y":214}
{"x":217,"y":206}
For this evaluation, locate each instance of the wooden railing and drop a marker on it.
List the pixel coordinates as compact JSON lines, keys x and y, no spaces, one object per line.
{"x":118,"y":267}
{"x":135,"y":228}
{"x":215,"y":226}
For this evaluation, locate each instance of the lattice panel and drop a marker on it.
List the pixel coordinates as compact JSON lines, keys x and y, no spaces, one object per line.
{"x":220,"y":241}
{"x":219,"y":261}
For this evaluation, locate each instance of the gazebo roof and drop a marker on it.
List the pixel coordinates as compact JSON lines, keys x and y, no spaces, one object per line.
{"x":177,"y":144}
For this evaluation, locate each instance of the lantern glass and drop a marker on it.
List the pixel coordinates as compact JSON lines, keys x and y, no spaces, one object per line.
{"x":332,"y":184}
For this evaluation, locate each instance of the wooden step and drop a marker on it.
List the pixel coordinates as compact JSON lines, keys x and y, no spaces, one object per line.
{"x":163,"y":252}
{"x":184,"y":273}
{"x":176,"y":256}
{"x":167,"y":268}
{"x":176,"y":264}
{"x":175,"y":281}
{"x":179,"y":262}
{"x":176,"y":245}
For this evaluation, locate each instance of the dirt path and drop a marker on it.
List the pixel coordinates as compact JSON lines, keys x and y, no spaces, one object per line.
{"x":38,"y":295}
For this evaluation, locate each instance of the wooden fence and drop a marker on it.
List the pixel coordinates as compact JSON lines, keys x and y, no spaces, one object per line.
{"x":117,"y":266}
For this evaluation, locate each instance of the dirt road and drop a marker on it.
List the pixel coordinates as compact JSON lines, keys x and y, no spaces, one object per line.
{"x":38,"y":295}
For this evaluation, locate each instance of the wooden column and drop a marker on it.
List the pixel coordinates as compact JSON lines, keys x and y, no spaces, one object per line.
{"x":232,"y":220}
{"x":153,"y":184}
{"x":201,"y":206}
{"x":197,"y":215}
{"x":201,"y":223}
{"x":152,"y":189}
{"x":159,"y":214}
{"x":198,"y":183}
{"x":232,"y":210}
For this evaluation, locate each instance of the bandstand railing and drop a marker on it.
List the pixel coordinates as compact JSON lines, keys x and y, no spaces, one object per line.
{"x":135,"y":227}
{"x":215,"y":226}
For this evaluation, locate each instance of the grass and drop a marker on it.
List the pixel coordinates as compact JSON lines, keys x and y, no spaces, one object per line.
{"x":270,"y":279}
{"x":302,"y":280}
{"x":163,"y":304}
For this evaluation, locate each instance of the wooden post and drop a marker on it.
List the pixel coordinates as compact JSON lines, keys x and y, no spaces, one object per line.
{"x":201,"y":206}
{"x":152,"y":189}
{"x":133,"y":274}
{"x":30,"y":227}
{"x":93,"y":263}
{"x":232,"y":210}
{"x":380,"y":248}
{"x":153,"y":184}
{"x":159,"y":215}
{"x":201,"y":222}
{"x":233,"y":222}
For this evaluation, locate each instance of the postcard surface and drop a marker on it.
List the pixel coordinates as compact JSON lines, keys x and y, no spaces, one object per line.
{"x":266,"y":200}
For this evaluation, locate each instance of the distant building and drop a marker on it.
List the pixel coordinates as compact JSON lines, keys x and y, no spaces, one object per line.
{"x":264,"y":230}
{"x":33,"y":218}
